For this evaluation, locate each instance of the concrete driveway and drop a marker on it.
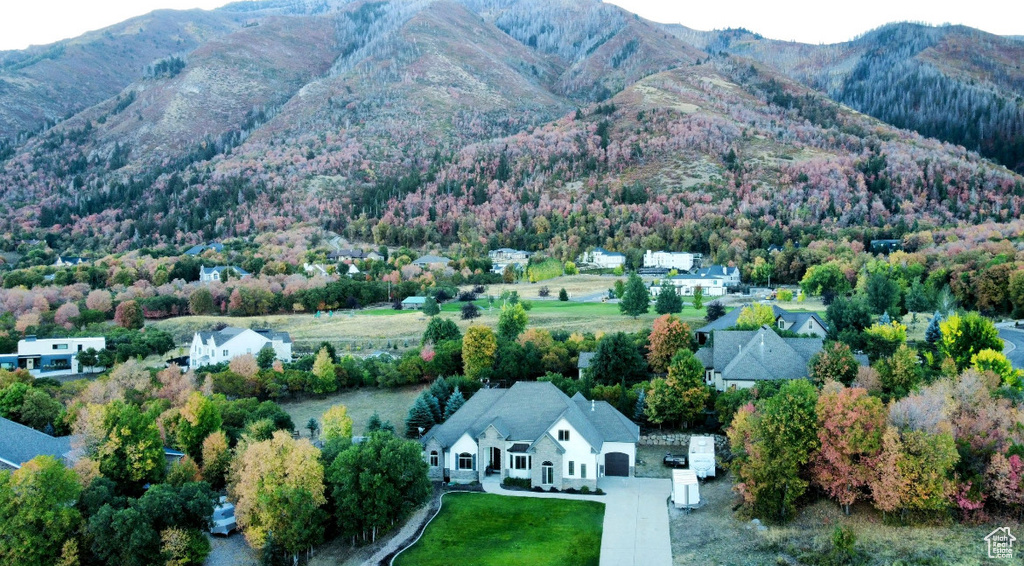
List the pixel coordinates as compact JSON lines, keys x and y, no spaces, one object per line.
{"x":636,"y":522}
{"x":635,"y":530}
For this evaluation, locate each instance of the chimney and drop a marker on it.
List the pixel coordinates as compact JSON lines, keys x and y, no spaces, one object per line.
{"x":591,"y":405}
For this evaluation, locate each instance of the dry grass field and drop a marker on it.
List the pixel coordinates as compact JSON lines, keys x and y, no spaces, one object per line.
{"x":391,"y":404}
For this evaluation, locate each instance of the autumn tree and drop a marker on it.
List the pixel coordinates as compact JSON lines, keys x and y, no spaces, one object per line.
{"x":636,"y":299}
{"x":755,"y":316}
{"x":963,"y":336}
{"x":997,"y":363}
{"x":376,"y":484}
{"x":825,"y":278}
{"x":512,"y":321}
{"x":914,"y":472}
{"x":278,"y":487}
{"x":682,"y":396}
{"x":323,"y":373}
{"x":128,"y":314}
{"x":834,"y":362}
{"x":132,"y":453}
{"x":200,"y":302}
{"x":37,"y":512}
{"x":667,"y":337}
{"x":336,"y":423}
{"x":478,"y":349}
{"x":199,"y":418}
{"x":900,"y":372}
{"x":99,"y":300}
{"x":216,"y":458}
{"x":850,"y":428}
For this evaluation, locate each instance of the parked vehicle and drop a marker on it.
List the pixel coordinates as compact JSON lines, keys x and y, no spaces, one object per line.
{"x":223,"y":518}
{"x":674,"y":461}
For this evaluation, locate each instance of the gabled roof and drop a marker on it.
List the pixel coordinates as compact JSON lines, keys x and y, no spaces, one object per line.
{"x":225,"y":335}
{"x":798,"y":319}
{"x":754,"y":355}
{"x":220,"y":268}
{"x":585,"y":359}
{"x":431,"y":259}
{"x":414,"y":300}
{"x":696,"y":276}
{"x":19,"y":444}
{"x":527,"y":411}
{"x":719,"y":271}
{"x":606,"y":252}
{"x":728,"y":320}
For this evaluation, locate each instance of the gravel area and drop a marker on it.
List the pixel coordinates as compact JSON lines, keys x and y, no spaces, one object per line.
{"x":230,"y":551}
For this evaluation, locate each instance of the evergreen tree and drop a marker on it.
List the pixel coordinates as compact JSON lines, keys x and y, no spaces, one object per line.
{"x":470,"y":311}
{"x":440,"y":329}
{"x":933,"y":333}
{"x":563,"y":295}
{"x":435,"y":407}
{"x":636,"y":300}
{"x":430,"y":307}
{"x":440,"y":390}
{"x":698,"y":297}
{"x":419,"y":417}
{"x":455,"y":402}
{"x":885,"y":319}
{"x":668,"y":301}
{"x":716,"y":310}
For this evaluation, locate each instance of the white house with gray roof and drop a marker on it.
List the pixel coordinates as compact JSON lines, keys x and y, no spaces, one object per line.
{"x":743,"y":357}
{"x":603,"y":258}
{"x":534,"y":431}
{"x":797,"y":322}
{"x":221,"y":346}
{"x":216,"y":273}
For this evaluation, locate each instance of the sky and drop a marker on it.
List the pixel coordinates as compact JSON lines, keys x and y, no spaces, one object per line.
{"x":36,"y":22}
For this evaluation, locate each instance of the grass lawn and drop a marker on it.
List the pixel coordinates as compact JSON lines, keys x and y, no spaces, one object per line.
{"x":392,"y":405}
{"x":485,"y":529}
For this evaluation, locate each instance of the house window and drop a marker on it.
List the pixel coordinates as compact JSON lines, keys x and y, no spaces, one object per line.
{"x":433,"y":458}
{"x":572,"y":467}
{"x":583,"y":471}
{"x":465,"y":461}
{"x":782,"y":324}
{"x":225,"y":353}
{"x":563,"y":435}
{"x":60,"y":346}
{"x":520,"y":463}
{"x":547,"y":473}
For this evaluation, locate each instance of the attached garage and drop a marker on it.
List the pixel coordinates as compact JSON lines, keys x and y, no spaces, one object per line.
{"x":616,"y":464}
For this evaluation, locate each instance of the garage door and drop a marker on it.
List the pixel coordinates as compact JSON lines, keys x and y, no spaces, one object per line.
{"x":616,"y":464}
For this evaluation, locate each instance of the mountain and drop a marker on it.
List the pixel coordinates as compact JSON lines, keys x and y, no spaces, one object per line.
{"x":953,"y":83}
{"x":540,"y":124}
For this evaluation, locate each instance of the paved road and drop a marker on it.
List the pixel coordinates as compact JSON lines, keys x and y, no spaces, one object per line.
{"x":1014,"y":349}
{"x":635,"y":531}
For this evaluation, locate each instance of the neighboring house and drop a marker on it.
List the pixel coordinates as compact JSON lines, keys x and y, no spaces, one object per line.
{"x":220,"y":346}
{"x":584,"y":361}
{"x":346,"y":255}
{"x":374,"y":256}
{"x":432,"y":262}
{"x":314,"y":269}
{"x":532,"y":430}
{"x":503,"y":257}
{"x":50,"y":357}
{"x":199,"y":249}
{"x":798,"y":322}
{"x":885,"y":246}
{"x":19,"y":444}
{"x":687,"y":283}
{"x":216,"y":273}
{"x":603,"y":258}
{"x":731,"y":275}
{"x":352,"y":270}
{"x":681,"y":261}
{"x":413,"y":302}
{"x":69,"y":261}
{"x":743,"y":357}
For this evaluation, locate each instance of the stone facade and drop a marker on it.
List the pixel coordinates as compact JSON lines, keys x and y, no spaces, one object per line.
{"x":434,"y":472}
{"x":491,"y":438}
{"x":547,"y":450}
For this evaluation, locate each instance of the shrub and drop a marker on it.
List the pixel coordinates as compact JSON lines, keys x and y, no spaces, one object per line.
{"x":517,"y":483}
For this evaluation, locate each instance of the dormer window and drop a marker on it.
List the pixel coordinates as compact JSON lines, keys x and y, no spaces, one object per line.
{"x":563,"y":436}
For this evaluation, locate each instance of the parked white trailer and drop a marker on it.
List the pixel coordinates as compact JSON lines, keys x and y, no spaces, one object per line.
{"x":685,"y":489}
{"x":702,"y":456}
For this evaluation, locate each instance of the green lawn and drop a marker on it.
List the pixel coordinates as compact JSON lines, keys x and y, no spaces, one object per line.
{"x":485,"y":529}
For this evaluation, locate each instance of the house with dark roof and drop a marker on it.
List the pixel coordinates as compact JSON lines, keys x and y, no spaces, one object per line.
{"x":603,"y":258}
{"x":797,"y":322}
{"x":345,"y":254}
{"x":220,"y":346}
{"x":743,"y":357}
{"x":200,"y":248}
{"x":533,"y":431}
{"x":69,"y":261}
{"x":19,"y":444}
{"x":885,"y":246}
{"x":731,"y":275}
{"x":216,"y":273}
{"x":585,"y":360}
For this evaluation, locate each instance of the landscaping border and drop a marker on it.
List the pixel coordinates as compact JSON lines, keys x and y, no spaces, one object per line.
{"x":389,"y":559}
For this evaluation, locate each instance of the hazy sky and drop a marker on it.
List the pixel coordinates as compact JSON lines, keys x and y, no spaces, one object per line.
{"x":27,"y":22}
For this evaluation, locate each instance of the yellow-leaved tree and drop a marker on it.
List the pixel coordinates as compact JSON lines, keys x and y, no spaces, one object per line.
{"x":337,"y":423}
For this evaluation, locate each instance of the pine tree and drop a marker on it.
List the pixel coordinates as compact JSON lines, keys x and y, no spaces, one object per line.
{"x":885,"y":318}
{"x":430,"y":307}
{"x":933,"y":333}
{"x":419,"y":417}
{"x":636,"y":300}
{"x":668,"y":301}
{"x":563,"y":295}
{"x":435,"y":408}
{"x":455,"y":402}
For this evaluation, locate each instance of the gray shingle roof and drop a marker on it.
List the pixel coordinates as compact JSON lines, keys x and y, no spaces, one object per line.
{"x":220,"y":268}
{"x":527,"y":410}
{"x":752,"y":355}
{"x":729,"y":319}
{"x":19,"y":444}
{"x":719,"y":271}
{"x":585,"y":359}
{"x":431,"y":259}
{"x":224,"y":335}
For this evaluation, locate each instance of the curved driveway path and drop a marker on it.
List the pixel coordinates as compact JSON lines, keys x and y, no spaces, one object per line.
{"x":1013,"y":345}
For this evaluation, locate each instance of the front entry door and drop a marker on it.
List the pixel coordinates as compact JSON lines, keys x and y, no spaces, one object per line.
{"x":496,"y":459}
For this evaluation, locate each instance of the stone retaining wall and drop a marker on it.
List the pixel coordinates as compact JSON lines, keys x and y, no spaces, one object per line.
{"x":679,"y":439}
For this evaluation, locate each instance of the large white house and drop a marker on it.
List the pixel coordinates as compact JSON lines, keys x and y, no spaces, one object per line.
{"x":503,"y":257}
{"x":603,"y":258}
{"x":687,"y":283}
{"x":681,"y":261}
{"x":51,"y":357}
{"x":216,"y":273}
{"x":220,"y":346}
{"x":532,"y":431}
{"x":731,"y":275}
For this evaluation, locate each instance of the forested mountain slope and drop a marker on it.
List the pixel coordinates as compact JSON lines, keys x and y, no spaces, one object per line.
{"x":538,"y":124}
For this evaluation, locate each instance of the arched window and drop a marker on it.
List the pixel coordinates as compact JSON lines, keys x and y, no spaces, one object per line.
{"x":547,"y":473}
{"x":465,"y":461}
{"x":433,"y":458}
